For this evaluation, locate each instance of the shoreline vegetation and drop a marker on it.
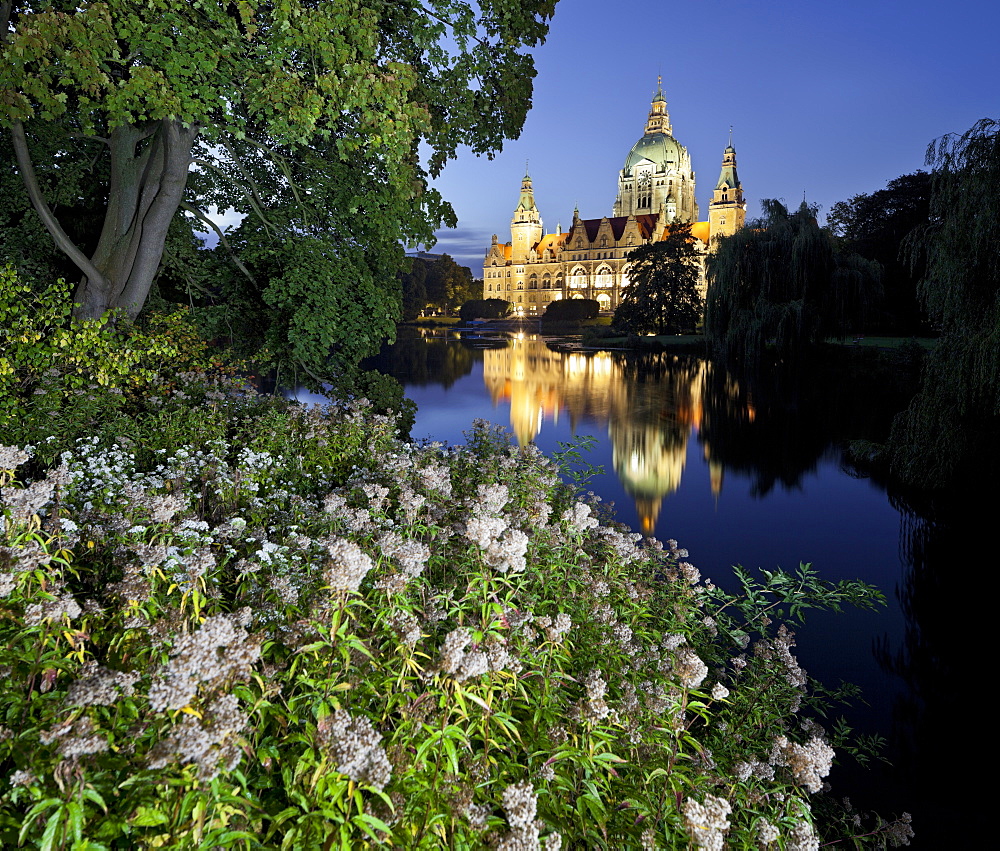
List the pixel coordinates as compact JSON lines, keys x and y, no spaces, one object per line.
{"x":231,"y":621}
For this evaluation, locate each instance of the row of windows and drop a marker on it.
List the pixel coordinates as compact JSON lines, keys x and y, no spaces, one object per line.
{"x":577,"y":282}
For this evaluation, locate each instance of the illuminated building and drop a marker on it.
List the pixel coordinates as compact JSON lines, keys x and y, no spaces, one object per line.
{"x":656,"y":188}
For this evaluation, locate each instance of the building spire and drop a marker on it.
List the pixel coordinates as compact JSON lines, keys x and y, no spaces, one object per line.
{"x":659,"y":118}
{"x":527,"y":200}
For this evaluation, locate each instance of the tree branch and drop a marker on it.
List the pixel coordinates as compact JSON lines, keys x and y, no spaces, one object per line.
{"x":62,"y":239}
{"x":252,"y":196}
{"x":200,"y":216}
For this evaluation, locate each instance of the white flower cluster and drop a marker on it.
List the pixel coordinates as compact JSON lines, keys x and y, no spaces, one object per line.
{"x":707,"y":822}
{"x":98,"y":686}
{"x":54,"y":609}
{"x":353,"y":745}
{"x":354,"y":519}
{"x":503,"y":548}
{"x":778,"y":650}
{"x":689,"y":668}
{"x":802,"y":837}
{"x":594,"y":708}
{"x":24,"y":503}
{"x":17,"y":560}
{"x":557,"y":628}
{"x":436,"y":476}
{"x":455,"y":661}
{"x":75,"y":738}
{"x":808,"y":763}
{"x":211,"y":741}
{"x":767,"y":833}
{"x":348,"y":566}
{"x":12,"y":457}
{"x":579,"y":518}
{"x":218,"y":653}
{"x":409,"y":554}
{"x":520,"y":805}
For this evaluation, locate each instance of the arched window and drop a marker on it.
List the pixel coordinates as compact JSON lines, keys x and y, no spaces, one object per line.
{"x":533,"y":282}
{"x":604,"y":301}
{"x":577,"y":278}
{"x":604,"y":277}
{"x":546,"y":281}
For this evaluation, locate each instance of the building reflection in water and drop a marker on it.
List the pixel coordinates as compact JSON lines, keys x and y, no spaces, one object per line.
{"x":652,"y":405}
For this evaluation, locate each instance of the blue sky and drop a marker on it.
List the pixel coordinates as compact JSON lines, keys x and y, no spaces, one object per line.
{"x":830,"y":99}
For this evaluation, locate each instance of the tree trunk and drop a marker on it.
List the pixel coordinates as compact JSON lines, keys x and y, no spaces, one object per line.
{"x":149,"y":170}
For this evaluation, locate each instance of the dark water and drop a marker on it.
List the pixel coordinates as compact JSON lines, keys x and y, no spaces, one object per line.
{"x":752,"y":473}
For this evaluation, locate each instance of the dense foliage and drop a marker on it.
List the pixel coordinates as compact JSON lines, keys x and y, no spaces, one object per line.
{"x":306,"y":117}
{"x":664,"y":293}
{"x":437,"y":286}
{"x":485,"y":308}
{"x":233,"y":622}
{"x":949,"y":431}
{"x":876,"y":226}
{"x":571,"y":310}
{"x":781,"y":283}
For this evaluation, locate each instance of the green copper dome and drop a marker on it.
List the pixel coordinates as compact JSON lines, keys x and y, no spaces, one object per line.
{"x":661,"y":148}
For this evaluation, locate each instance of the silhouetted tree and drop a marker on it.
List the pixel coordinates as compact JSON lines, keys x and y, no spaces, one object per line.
{"x":876,"y":226}
{"x":663,"y":295}
{"x":782,"y":282}
{"x":949,"y":431}
{"x":414,"y":289}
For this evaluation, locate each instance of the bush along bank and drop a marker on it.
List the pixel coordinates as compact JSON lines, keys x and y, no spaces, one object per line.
{"x":240,"y":623}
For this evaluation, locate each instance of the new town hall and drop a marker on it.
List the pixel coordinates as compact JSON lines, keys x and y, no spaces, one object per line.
{"x":655,"y":189}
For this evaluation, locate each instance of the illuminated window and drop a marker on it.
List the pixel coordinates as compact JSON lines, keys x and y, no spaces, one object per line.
{"x":577,"y":278}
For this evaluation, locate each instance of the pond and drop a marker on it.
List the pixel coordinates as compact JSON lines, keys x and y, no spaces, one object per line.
{"x":753,"y":473}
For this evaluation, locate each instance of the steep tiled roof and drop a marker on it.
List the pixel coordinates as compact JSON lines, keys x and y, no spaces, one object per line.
{"x":554,"y":241}
{"x":646,"y":222}
{"x":701,"y":230}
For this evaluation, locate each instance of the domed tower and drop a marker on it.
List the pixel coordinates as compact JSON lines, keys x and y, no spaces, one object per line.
{"x":526,"y":225}
{"x":728,"y":209}
{"x":657,"y":176}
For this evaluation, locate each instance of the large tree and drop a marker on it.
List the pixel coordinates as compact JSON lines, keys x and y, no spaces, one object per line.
{"x":664,"y":293}
{"x":782,"y":283}
{"x":254,"y":105}
{"x":877,"y":226}
{"x":949,"y":431}
{"x":449,"y":285}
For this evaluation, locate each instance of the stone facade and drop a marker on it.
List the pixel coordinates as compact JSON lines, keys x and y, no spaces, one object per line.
{"x":656,"y":189}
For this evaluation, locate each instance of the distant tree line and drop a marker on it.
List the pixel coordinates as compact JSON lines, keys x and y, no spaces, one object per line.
{"x":437,"y":286}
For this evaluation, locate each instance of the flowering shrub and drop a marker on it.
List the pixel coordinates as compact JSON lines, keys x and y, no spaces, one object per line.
{"x":242,"y":623}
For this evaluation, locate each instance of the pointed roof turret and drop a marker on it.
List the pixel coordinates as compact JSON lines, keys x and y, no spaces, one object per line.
{"x":728,"y":177}
{"x":527,"y":200}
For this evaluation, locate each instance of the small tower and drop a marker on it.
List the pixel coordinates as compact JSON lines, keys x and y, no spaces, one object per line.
{"x":659,"y":119}
{"x":727,"y":210}
{"x":526,"y":225}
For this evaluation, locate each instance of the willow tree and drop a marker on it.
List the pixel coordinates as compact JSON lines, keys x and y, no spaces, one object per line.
{"x":951,"y":425}
{"x":280,"y":110}
{"x":781,"y":283}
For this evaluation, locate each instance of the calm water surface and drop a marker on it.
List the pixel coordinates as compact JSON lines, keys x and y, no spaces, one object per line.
{"x":754,"y":476}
